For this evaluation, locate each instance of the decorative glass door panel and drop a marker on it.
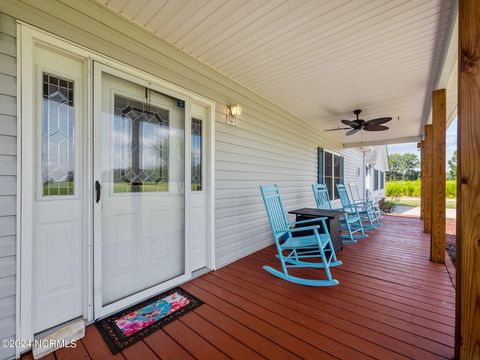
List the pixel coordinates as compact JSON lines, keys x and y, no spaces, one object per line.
{"x":140,"y":165}
{"x":141,"y":149}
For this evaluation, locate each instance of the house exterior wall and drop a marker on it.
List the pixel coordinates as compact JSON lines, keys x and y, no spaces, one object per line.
{"x":267,"y":146}
{"x":260,"y":151}
{"x":8,"y":171}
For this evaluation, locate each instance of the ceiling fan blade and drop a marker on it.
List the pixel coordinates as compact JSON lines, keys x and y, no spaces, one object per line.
{"x":349,"y":122}
{"x":351,"y":132}
{"x":376,"y":128}
{"x":346,"y":128}
{"x":378,"y":121}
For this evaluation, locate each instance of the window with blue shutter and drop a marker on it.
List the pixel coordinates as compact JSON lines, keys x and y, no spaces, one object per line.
{"x":320,"y":166}
{"x":330,"y":171}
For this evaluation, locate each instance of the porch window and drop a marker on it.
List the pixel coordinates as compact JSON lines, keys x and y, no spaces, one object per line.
{"x":58,"y":126}
{"x":197,"y":144}
{"x":375,"y":180}
{"x":330,"y":171}
{"x":382,"y":180}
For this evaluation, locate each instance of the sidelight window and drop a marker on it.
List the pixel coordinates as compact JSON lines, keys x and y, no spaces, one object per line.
{"x":58,"y":127}
{"x":197,"y":145}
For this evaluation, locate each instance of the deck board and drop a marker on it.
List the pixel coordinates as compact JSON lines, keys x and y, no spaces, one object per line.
{"x":392,"y":303}
{"x":355,"y":305}
{"x":165,"y":347}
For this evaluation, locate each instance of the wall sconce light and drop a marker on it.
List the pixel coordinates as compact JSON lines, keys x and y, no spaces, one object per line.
{"x":234,"y":112}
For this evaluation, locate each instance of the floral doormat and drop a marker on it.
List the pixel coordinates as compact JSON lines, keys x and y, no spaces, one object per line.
{"x":134,"y":323}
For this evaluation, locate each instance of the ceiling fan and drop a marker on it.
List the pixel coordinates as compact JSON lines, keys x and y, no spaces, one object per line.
{"x":359,"y":124}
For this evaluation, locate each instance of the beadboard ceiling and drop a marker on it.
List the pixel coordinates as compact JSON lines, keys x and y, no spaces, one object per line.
{"x":318,"y":59}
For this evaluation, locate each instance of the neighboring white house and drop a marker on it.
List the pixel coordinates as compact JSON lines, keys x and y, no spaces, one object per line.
{"x":376,"y":163}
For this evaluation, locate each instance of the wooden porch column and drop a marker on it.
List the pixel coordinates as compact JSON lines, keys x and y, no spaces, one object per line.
{"x":427,"y":180}
{"x":422,"y":183}
{"x":439,"y":132}
{"x":467,"y":339}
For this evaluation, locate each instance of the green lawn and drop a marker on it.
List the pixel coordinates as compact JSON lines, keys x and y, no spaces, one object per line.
{"x":58,"y":189}
{"x":145,"y":187}
{"x":413,"y":201}
{"x":66,"y":188}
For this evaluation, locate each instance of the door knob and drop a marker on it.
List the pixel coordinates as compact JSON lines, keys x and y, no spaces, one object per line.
{"x":98,"y":189}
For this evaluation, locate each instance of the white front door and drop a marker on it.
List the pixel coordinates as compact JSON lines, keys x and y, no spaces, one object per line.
{"x":55,"y":183}
{"x":141,"y":206}
{"x":150,"y":146}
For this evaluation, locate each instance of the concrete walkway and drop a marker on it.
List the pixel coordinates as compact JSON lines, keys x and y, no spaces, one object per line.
{"x":415,"y":211}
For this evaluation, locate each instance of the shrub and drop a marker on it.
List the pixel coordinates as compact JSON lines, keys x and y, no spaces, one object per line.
{"x":413,"y":188}
{"x":403,"y":188}
{"x":387,"y":205}
{"x":451,"y":188}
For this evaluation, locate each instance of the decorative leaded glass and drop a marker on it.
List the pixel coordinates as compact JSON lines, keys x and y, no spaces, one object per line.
{"x":58,"y":146}
{"x":197,"y":140}
{"x":141,"y":146}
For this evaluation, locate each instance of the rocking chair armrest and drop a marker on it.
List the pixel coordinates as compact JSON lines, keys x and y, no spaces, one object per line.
{"x":352,"y":207}
{"x":308,"y":220}
{"x":362,"y":205}
{"x":304,"y":228}
{"x":365,"y":200}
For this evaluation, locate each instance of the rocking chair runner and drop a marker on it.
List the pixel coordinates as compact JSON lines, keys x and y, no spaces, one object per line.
{"x":351,"y":221}
{"x":300,"y":248}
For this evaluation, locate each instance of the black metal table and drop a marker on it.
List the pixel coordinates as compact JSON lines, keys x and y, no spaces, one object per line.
{"x":333,"y":223}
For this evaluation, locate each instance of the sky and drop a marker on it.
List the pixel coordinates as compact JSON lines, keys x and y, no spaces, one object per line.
{"x":412,"y":147}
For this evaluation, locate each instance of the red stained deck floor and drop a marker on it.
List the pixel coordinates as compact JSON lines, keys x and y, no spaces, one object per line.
{"x":392,"y":303}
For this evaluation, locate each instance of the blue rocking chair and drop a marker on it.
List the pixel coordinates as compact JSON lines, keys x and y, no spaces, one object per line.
{"x":370,"y":204}
{"x":299,"y":248}
{"x":351,"y":221}
{"x":363,"y":210}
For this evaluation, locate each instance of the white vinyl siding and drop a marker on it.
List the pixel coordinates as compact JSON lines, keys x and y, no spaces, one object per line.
{"x":8,"y":169}
{"x":269,"y":145}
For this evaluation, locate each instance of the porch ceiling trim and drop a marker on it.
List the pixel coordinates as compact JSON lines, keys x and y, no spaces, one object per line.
{"x":384,"y":142}
{"x":285,"y":52}
{"x":446,"y":69}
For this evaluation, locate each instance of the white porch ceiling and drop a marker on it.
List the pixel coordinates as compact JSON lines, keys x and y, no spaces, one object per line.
{"x":318,"y":59}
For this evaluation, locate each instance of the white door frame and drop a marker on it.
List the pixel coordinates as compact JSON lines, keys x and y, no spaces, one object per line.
{"x":27,"y":37}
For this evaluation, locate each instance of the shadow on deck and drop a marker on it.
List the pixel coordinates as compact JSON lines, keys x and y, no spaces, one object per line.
{"x":392,"y":303}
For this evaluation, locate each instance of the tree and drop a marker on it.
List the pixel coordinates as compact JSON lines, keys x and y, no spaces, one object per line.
{"x":452,"y":164}
{"x":402,"y":167}
{"x":410,"y":166}
{"x":395,"y":165}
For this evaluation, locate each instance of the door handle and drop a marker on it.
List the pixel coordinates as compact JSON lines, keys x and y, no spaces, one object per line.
{"x":98,"y":189}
